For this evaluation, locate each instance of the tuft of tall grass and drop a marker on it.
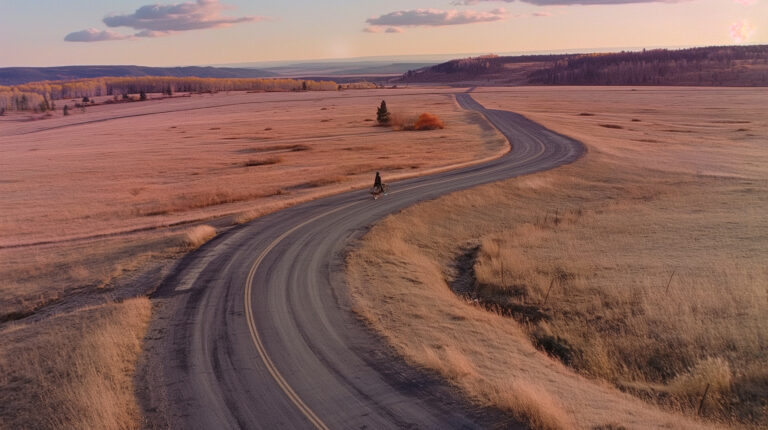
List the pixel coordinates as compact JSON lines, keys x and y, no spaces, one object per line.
{"x":74,"y":370}
{"x":198,"y":235}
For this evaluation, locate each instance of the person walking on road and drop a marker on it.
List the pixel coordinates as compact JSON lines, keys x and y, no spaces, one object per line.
{"x":377,"y":187}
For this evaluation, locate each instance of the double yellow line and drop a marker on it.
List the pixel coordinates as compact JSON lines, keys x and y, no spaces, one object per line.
{"x":314,"y":419}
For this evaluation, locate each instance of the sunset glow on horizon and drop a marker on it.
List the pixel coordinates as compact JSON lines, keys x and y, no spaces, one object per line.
{"x":199,"y":32}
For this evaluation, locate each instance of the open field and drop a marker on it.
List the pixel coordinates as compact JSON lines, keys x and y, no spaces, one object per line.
{"x":136,"y":167}
{"x":98,"y":204}
{"x":640,"y":266}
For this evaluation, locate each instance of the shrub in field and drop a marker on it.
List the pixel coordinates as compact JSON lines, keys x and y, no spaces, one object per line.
{"x":198,"y":235}
{"x":706,"y":382}
{"x":428,"y":121}
{"x":425,"y":121}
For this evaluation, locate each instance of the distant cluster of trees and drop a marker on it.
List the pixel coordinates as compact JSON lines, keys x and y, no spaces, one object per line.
{"x":360,"y":85}
{"x":39,"y":96}
{"x":732,"y":65}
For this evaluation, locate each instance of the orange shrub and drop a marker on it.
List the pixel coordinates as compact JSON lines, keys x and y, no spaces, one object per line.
{"x":427,"y":121}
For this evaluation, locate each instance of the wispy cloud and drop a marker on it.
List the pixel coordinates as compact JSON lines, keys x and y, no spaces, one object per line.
{"x":431,"y":18}
{"x":157,"y":20}
{"x":375,"y":29}
{"x":567,"y":2}
{"x":93,"y":35}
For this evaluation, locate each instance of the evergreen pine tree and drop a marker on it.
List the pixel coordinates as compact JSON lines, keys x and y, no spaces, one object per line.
{"x":382,"y":114}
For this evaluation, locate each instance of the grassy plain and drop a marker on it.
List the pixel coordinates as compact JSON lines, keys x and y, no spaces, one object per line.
{"x":139,"y":167}
{"x":97,"y":204}
{"x":641,"y":266}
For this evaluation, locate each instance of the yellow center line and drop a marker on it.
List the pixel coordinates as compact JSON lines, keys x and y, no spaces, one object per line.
{"x":271,"y":368}
{"x":317,"y":422}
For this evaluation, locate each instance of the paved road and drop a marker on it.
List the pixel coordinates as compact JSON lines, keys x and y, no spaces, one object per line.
{"x":258,"y":332}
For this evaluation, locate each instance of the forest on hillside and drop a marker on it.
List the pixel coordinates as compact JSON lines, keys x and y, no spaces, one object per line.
{"x":718,"y":66}
{"x":708,"y":66}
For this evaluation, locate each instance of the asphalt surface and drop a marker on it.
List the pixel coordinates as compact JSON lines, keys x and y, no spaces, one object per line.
{"x":257,"y":330}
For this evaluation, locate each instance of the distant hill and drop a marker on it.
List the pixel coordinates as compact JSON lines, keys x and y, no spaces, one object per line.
{"x":22,"y":75}
{"x":708,"y":66}
{"x":334,"y":69}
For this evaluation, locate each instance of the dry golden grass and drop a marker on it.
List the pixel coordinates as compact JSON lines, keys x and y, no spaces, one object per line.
{"x":609,"y":230}
{"x":198,"y":235}
{"x":101,"y":196}
{"x":74,"y":370}
{"x":34,"y":277}
{"x":137,"y":166}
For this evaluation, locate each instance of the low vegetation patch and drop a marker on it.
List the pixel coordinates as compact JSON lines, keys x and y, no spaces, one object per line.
{"x":425,"y":121}
{"x":74,"y":370}
{"x":276,"y":148}
{"x":198,"y":235}
{"x":428,"y":121}
{"x":328,"y":180}
{"x":266,"y":161}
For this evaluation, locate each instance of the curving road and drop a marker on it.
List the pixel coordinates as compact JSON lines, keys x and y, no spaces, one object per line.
{"x":256,"y":329}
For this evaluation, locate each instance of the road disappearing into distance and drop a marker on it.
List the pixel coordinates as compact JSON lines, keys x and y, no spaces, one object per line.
{"x":258,"y":330}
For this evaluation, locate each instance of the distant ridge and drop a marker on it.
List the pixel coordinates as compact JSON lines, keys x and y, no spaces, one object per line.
{"x":22,"y":75}
{"x":706,"y":66}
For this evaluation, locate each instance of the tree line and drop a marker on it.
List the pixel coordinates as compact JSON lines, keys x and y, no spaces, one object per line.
{"x":39,"y":96}
{"x":731,"y":65}
{"x":711,"y":66}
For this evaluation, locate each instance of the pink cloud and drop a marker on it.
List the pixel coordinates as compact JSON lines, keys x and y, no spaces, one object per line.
{"x":435,"y":17}
{"x":375,"y":29}
{"x":741,"y":31}
{"x":156,"y":20}
{"x":570,"y":2}
{"x":197,"y":15}
{"x":94,"y":35}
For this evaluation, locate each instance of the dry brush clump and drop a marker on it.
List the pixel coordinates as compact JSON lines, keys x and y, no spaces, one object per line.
{"x":264,"y":161}
{"x":710,"y":381}
{"x":682,"y":328}
{"x":201,"y":200}
{"x":73,"y":370}
{"x":197,"y":236}
{"x":531,"y":404}
{"x":425,"y":121}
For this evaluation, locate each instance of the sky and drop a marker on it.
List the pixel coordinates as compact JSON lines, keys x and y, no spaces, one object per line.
{"x":201,"y":32}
